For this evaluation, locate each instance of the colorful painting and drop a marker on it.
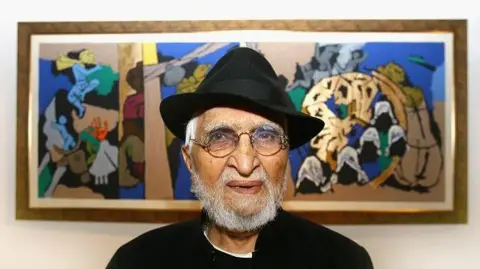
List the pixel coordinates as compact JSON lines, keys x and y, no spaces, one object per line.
{"x":384,"y":106}
{"x":386,"y":99}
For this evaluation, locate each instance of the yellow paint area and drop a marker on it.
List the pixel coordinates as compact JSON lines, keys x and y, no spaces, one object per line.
{"x":150,"y":56}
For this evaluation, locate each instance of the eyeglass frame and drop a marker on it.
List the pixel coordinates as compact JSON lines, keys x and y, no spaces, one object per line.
{"x":284,"y":143}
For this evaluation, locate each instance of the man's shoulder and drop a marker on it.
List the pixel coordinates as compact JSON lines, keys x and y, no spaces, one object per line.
{"x":319,"y":234}
{"x":159,"y":243}
{"x":318,"y":240}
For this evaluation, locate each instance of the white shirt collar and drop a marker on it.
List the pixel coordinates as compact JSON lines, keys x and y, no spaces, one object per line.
{"x":246,"y":255}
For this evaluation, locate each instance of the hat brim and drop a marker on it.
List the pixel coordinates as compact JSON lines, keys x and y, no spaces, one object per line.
{"x":177,"y":110}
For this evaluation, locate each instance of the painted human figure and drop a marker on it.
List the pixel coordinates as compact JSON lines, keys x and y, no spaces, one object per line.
{"x":60,"y":125}
{"x":82,"y":85}
{"x":357,"y":57}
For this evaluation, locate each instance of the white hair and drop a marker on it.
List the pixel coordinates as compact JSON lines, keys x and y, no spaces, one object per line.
{"x":190,"y":131}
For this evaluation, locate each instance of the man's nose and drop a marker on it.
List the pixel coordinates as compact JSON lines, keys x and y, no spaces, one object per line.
{"x":244,"y":158}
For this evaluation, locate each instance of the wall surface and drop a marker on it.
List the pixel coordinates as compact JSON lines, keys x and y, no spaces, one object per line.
{"x":26,"y":245}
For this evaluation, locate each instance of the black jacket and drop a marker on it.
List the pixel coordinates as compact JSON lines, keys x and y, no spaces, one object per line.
{"x":288,"y":242}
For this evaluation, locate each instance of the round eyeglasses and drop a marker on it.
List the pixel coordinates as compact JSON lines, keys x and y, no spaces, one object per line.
{"x":223,"y":141}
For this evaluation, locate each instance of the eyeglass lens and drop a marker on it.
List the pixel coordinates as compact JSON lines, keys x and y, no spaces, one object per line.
{"x":223,"y":141}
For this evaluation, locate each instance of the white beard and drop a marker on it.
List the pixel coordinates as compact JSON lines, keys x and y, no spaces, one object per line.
{"x":238,"y":219}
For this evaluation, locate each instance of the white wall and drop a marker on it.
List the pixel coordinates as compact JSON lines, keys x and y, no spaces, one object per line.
{"x":89,"y":245}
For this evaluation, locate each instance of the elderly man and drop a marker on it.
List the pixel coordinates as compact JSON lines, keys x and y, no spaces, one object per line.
{"x":238,"y":128}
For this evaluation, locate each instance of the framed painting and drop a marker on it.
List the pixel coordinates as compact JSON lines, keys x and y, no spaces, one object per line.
{"x":91,"y":144}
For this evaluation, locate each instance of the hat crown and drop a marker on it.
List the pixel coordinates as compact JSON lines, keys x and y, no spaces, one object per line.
{"x":244,"y":71}
{"x":241,"y":63}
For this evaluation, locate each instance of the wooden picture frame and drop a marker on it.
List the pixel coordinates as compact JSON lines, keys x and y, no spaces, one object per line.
{"x":58,"y":46}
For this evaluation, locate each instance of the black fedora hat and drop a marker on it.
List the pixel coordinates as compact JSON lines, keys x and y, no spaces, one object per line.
{"x":241,"y":78}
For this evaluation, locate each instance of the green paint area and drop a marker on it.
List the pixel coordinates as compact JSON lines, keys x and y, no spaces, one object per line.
{"x":92,"y":145}
{"x":107,"y":77}
{"x":384,"y":161}
{"x":44,"y":180}
{"x":297,"y":95}
{"x":343,"y":109}
{"x":420,"y":61}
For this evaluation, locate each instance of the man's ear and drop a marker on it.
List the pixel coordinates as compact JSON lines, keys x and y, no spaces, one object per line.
{"x":187,"y":158}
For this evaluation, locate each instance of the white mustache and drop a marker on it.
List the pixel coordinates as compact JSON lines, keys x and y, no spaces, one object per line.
{"x":230,"y":175}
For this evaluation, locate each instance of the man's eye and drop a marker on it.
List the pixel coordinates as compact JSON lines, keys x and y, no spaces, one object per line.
{"x":217,"y":136}
{"x":266,"y":135}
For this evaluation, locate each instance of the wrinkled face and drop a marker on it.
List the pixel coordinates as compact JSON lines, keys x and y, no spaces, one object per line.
{"x":243,"y":190}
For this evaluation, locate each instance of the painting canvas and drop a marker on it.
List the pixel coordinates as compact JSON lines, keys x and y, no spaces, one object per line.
{"x":98,"y":141}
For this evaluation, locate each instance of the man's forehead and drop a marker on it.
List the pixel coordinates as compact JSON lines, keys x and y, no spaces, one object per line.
{"x":236,"y":118}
